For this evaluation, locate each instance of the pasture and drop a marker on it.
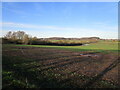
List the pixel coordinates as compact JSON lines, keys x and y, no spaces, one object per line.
{"x":101,"y":46}
{"x":44,"y":66}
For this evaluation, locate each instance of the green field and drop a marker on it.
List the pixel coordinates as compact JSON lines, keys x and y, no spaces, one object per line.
{"x":101,"y":46}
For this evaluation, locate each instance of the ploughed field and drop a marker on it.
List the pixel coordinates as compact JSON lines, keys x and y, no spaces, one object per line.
{"x":44,"y":67}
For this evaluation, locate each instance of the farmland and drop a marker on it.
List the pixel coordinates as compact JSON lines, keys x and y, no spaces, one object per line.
{"x":99,"y":46}
{"x":45,"y":66}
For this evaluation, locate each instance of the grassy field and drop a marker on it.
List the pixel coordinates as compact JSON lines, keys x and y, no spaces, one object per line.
{"x":42,"y":66}
{"x":101,"y":46}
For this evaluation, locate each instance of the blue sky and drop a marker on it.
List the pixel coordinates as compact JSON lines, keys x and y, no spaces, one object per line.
{"x":62,"y":19}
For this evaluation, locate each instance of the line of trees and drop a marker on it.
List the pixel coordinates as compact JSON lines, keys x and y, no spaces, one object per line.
{"x":18,"y":37}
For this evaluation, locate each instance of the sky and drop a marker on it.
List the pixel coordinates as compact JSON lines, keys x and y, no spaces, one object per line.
{"x":61,"y":19}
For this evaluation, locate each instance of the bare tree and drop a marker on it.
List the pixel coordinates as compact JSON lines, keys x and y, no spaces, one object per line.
{"x":26,"y":39}
{"x":13,"y":36}
{"x":8,"y":35}
{"x":20,"y":35}
{"x":34,"y":38}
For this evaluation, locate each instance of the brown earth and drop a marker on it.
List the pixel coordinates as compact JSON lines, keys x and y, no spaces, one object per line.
{"x":71,"y":64}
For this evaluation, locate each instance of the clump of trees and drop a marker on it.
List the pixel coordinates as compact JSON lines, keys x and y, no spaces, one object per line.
{"x":18,"y":37}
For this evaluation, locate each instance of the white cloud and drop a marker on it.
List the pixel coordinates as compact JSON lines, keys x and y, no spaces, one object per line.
{"x":11,"y":24}
{"x":51,"y":31}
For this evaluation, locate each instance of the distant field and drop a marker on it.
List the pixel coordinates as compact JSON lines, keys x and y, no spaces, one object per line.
{"x":73,"y":41}
{"x":100,"y":46}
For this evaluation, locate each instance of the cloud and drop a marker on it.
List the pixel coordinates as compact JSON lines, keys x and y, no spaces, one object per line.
{"x":11,"y":24}
{"x":51,"y":31}
{"x":29,"y":26}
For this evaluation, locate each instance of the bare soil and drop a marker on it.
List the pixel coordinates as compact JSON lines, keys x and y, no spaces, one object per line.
{"x":69,"y":65}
